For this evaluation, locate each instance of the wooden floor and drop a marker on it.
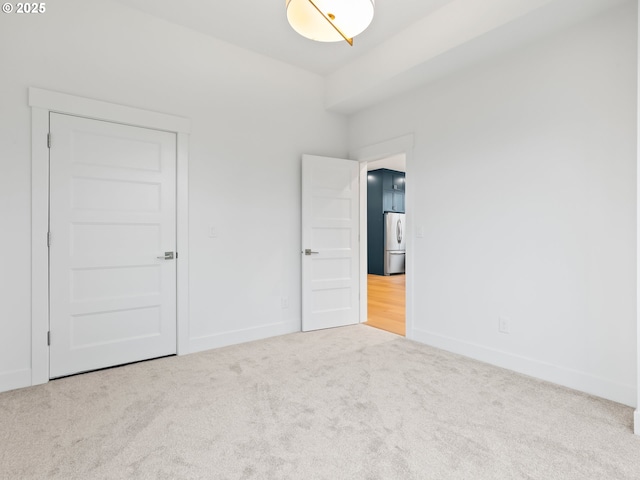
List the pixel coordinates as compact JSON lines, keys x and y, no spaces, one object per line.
{"x":386,"y":303}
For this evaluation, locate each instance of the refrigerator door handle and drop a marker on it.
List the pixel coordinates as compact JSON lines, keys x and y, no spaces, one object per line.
{"x":399,"y":231}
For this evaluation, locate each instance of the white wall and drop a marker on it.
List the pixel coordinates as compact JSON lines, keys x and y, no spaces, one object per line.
{"x":252,"y":118}
{"x":523,"y":177}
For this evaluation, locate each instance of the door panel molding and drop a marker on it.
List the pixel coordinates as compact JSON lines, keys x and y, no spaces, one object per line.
{"x":42,"y":102}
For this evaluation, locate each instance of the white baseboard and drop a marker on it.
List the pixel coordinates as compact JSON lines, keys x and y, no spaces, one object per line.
{"x":15,"y":379}
{"x":636,"y":422}
{"x":208,"y":342}
{"x":584,"y":382}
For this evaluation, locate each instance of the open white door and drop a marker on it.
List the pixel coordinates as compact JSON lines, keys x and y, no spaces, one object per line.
{"x":330,"y":256}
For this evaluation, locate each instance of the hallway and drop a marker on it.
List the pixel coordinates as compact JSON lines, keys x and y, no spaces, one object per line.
{"x":386,"y":303}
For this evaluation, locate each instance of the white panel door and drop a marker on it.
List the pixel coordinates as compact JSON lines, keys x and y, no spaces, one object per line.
{"x":112,"y":214}
{"x":330,"y":257}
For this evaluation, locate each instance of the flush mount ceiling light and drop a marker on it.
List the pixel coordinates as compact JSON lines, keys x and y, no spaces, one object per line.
{"x":330,"y":20}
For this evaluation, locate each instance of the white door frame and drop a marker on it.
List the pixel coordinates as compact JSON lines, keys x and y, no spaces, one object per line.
{"x":636,"y":414}
{"x":42,"y":102}
{"x":378,"y":151}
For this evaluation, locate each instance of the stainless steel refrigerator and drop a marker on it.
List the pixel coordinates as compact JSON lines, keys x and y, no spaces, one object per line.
{"x":394,"y":243}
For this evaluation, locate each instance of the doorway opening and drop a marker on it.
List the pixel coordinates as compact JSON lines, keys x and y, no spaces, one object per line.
{"x":386,"y":240}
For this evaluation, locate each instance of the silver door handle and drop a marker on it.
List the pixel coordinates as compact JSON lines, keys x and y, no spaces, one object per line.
{"x":167,"y":256}
{"x":307,"y":251}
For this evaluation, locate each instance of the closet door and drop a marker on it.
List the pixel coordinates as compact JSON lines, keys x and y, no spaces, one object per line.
{"x":112,"y":243}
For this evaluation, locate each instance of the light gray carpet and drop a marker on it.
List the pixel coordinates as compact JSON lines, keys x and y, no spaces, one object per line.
{"x":347,"y":403}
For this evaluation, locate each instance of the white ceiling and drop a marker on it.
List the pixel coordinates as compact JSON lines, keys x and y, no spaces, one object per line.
{"x":261,"y":26}
{"x":409,"y":43}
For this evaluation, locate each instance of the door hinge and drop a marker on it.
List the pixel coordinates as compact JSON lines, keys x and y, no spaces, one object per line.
{"x":48,"y":140}
{"x":49,"y":338}
{"x":48,"y":239}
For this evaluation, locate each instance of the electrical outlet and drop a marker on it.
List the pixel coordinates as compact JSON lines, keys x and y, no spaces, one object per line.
{"x":284,"y":302}
{"x":503,"y":325}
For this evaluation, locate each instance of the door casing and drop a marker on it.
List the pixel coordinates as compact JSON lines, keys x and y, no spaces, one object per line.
{"x":43,"y":102}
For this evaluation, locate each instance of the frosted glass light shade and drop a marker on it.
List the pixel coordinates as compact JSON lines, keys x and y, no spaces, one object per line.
{"x":350,"y":16}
